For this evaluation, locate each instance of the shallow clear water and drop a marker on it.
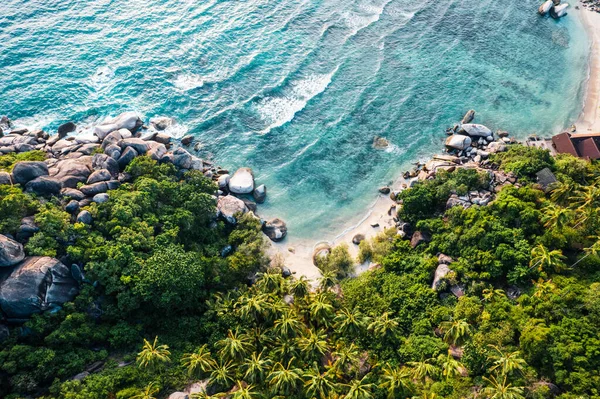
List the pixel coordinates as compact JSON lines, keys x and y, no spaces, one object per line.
{"x":297,"y":89}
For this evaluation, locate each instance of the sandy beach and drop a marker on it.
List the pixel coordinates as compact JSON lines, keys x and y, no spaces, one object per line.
{"x":589,"y":120}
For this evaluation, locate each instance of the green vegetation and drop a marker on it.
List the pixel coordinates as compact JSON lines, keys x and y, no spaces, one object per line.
{"x":8,"y":161}
{"x":163,"y":308}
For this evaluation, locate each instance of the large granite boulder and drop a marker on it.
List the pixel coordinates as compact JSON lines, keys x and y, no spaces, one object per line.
{"x":127,"y":155}
{"x":559,"y":11}
{"x":26,"y":171}
{"x":5,"y":178}
{"x":260,"y":193}
{"x":545,"y":7}
{"x":139,"y":145}
{"x":242,"y":181}
{"x":126,"y":120}
{"x":98,"y":176}
{"x":44,"y":185}
{"x":440,"y":273}
{"x":34,"y":285}
{"x":275,"y":229}
{"x":65,"y":129}
{"x":475,"y":130}
{"x":103,"y":161}
{"x":229,"y":206}
{"x":11,"y":252}
{"x":419,"y":237}
{"x":458,"y":142}
{"x":71,"y":172}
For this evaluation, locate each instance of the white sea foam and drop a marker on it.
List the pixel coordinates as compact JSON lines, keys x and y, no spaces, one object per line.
{"x":185,"y":82}
{"x":281,"y":109}
{"x":102,"y":77}
{"x":363,"y":18}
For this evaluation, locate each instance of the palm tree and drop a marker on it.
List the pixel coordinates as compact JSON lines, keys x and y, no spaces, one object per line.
{"x":594,"y":249}
{"x":396,"y":381}
{"x":288,"y":325}
{"x":455,"y":332}
{"x":153,"y":355}
{"x":384,"y":326}
{"x":507,"y":363}
{"x":490,"y":294}
{"x":314,"y":344}
{"x":423,"y":370}
{"x":285,"y":379}
{"x":496,"y":389}
{"x":544,"y":259}
{"x":270,"y":282}
{"x":359,"y":389}
{"x":328,"y":279}
{"x":256,"y":368}
{"x":198,"y":361}
{"x":244,"y":391}
{"x":235,"y":346}
{"x":321,"y":310}
{"x":350,"y":322}
{"x":148,"y":392}
{"x":285,"y":349}
{"x":562,"y":192}
{"x":543,"y":288}
{"x":556,"y":217}
{"x":451,"y":367}
{"x":222,"y":374}
{"x":318,"y":385}
{"x":254,"y":307}
{"x":300,"y":287}
{"x":346,"y":357}
{"x":221,"y":304}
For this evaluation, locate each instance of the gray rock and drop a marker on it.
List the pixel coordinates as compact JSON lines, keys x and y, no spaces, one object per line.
{"x":385,"y":190}
{"x":72,"y":207}
{"x":44,"y":185}
{"x":440,"y":273}
{"x":90,"y":190}
{"x":419,"y":237}
{"x":475,"y":130}
{"x":71,"y":172}
{"x":358,"y":238}
{"x":27,"y":229}
{"x":128,"y":155}
{"x":223,"y":182}
{"x":112,"y":139}
{"x":126,"y":120}
{"x":26,"y":171}
{"x":84,"y":217}
{"x":187,"y":140}
{"x":229,"y":206}
{"x":162,"y":138}
{"x":259,"y":193}
{"x":140,"y":146}
{"x":157,"y":151}
{"x":101,"y":198}
{"x":161,"y":122}
{"x":469,"y":116}
{"x":113,"y":184}
{"x":458,"y":142}
{"x":275,"y":229}
{"x":103,"y":161}
{"x":242,"y":181}
{"x":98,"y":176}
{"x":34,"y":285}
{"x":113,"y":151}
{"x":11,"y":252}
{"x":5,"y":178}
{"x":182,"y":159}
{"x":65,"y":129}
{"x":444,"y":259}
{"x":72,"y":193}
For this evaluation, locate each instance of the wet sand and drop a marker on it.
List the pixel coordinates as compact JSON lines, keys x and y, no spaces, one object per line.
{"x":589,"y":120}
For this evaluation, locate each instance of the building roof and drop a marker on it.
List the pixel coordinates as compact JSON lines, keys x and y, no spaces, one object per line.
{"x":588,"y":148}
{"x":545,"y":178}
{"x":563,"y":144}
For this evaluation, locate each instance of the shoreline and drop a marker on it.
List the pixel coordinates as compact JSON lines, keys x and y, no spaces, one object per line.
{"x":297,"y":254}
{"x":589,"y":119}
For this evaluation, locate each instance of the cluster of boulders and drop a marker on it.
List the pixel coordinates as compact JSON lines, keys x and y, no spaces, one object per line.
{"x":83,"y":168}
{"x":592,"y":5}
{"x":554,"y":8}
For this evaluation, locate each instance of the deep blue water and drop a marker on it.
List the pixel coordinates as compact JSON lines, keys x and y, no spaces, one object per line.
{"x":297,"y":89}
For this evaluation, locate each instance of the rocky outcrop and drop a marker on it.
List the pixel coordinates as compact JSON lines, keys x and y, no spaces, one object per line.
{"x":126,"y":120}
{"x":34,"y":285}
{"x":419,"y":237}
{"x":559,"y":11}
{"x":545,"y":7}
{"x":475,"y":130}
{"x":469,"y":116}
{"x":275,"y":229}
{"x":23,"y":172}
{"x":440,"y":273}
{"x":458,"y":142}
{"x":229,"y":206}
{"x":259,"y":193}
{"x":11,"y":252}
{"x":65,"y":129}
{"x":44,"y":185}
{"x":242,"y":181}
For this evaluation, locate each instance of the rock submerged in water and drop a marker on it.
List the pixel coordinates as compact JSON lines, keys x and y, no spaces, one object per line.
{"x":11,"y":252}
{"x":469,"y":116}
{"x":380,"y":143}
{"x":275,"y":229}
{"x":260,"y":193}
{"x":242,"y":181}
{"x":34,"y":285}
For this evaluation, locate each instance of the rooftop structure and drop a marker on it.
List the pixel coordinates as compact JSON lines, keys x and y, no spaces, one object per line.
{"x":583,"y":145}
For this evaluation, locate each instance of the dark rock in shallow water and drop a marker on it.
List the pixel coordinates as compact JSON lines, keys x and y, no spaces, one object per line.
{"x":259,"y":193}
{"x":385,"y":190}
{"x":187,"y":140}
{"x":34,"y":285}
{"x":11,"y":252}
{"x":26,"y":171}
{"x":65,"y":129}
{"x":275,"y":229}
{"x":469,"y":116}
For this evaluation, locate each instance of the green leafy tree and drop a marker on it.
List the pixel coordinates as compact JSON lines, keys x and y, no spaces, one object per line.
{"x":359,"y":389}
{"x":455,"y":332}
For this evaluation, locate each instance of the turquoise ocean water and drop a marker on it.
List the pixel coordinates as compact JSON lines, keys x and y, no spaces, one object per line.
{"x":297,"y":89}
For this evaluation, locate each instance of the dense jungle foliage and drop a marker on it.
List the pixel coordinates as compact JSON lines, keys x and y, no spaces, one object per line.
{"x":163,"y":308}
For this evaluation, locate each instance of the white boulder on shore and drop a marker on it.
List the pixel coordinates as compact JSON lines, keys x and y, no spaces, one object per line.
{"x":458,"y":142}
{"x":242,"y":181}
{"x":476,"y":130}
{"x":127,"y":120}
{"x":559,"y":11}
{"x":545,"y":8}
